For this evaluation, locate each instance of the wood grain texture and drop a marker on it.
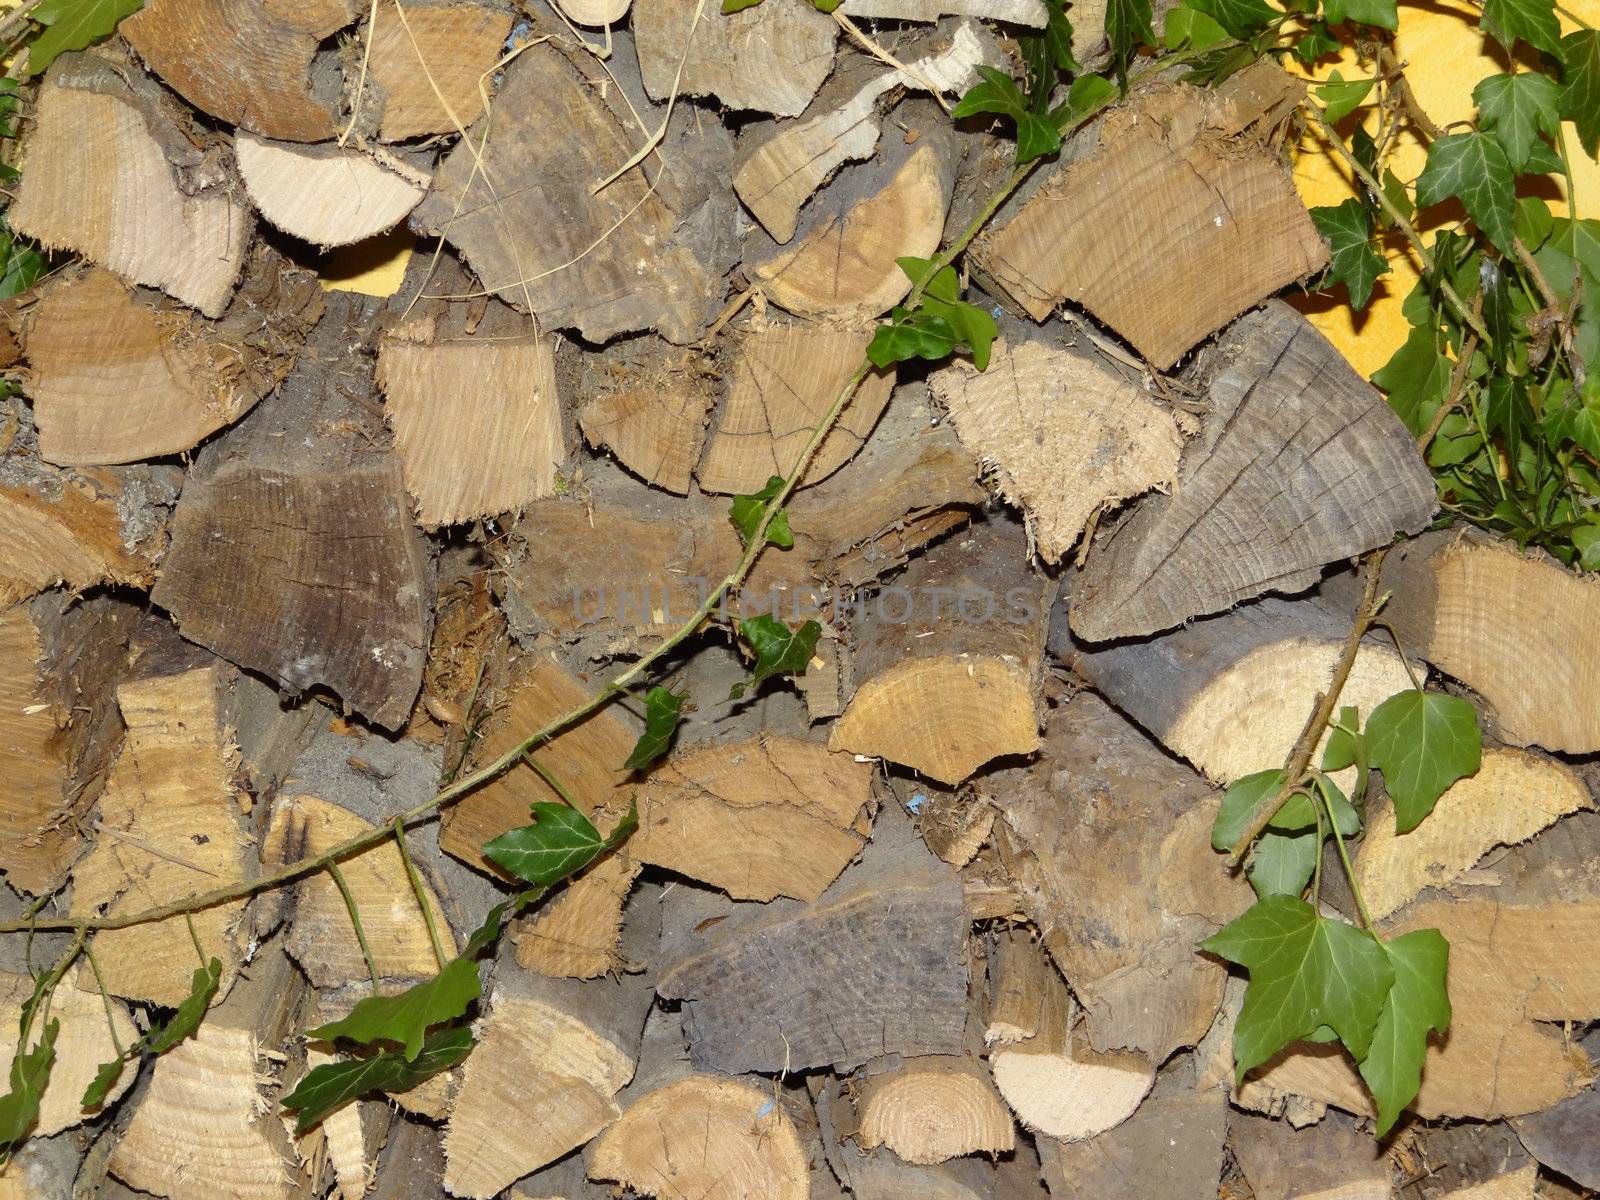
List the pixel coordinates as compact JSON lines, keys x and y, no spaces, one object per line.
{"x":85,"y":1041}
{"x":1301,"y":463}
{"x":1172,"y":1147}
{"x":1030,"y":13}
{"x":524,"y":215}
{"x":1170,"y":228}
{"x":325,"y":195}
{"x":246,"y":62}
{"x":102,"y":186}
{"x":770,"y":60}
{"x":117,"y":376}
{"x":1331,"y":1160}
{"x":933,"y":1109}
{"x":647,"y":402}
{"x":431,"y":66}
{"x":1062,"y":433}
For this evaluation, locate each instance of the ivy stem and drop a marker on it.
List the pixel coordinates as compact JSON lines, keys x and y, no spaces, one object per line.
{"x":555,"y":784}
{"x":1349,"y":869}
{"x":1294,"y":769}
{"x":1316,"y":863}
{"x":15,"y":19}
{"x":194,"y":936}
{"x":1399,"y":218}
{"x":1416,"y":684}
{"x":355,"y":919}
{"x":399,"y":829}
{"x":105,"y":996}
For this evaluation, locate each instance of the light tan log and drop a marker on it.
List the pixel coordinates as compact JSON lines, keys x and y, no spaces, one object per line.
{"x":170,"y":827}
{"x":1230,"y":692}
{"x":1301,"y":463}
{"x":1065,"y":436}
{"x":325,"y":195}
{"x":117,"y":375}
{"x":59,"y":727}
{"x":1172,"y":226}
{"x":704,"y":1136}
{"x":1513,"y":796}
{"x":476,"y":419}
{"x":430,"y":68}
{"x":771,"y":60}
{"x":247,"y":62}
{"x":934,"y":1109}
{"x":646,"y":401}
{"x":348,"y":1140}
{"x":944,"y":693}
{"x":84,"y":1042}
{"x":1011,"y":12}
{"x":595,"y":13}
{"x":137,"y":219}
{"x":843,"y":267}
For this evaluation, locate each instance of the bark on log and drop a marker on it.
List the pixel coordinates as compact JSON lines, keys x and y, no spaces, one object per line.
{"x":1301,"y":463}
{"x":144,"y":219}
{"x":326,"y":195}
{"x":1064,"y":435}
{"x":944,"y":695}
{"x":1332,"y":1160}
{"x":1171,"y":226}
{"x":430,"y":66}
{"x":118,"y":376}
{"x":251,"y":63}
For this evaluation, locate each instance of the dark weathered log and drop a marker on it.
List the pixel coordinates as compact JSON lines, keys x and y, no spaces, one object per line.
{"x":1331,"y":1160}
{"x":1301,"y":463}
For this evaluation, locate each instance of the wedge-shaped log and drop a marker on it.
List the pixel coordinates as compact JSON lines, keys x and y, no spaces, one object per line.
{"x":930,"y":1110}
{"x":431,"y":64}
{"x":326,"y":195}
{"x":1301,"y":463}
{"x":770,"y":60}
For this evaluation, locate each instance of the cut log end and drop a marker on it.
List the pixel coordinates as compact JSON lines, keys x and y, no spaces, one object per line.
{"x":930,"y":1112}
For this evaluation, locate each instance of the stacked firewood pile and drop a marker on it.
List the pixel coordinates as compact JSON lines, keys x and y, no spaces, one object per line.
{"x":279,"y":561}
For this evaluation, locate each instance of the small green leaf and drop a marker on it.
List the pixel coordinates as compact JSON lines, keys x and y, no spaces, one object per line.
{"x":1283,"y":862}
{"x":916,"y":270}
{"x":908,"y":335}
{"x":1417,"y":1004}
{"x":21,"y":266}
{"x":997,"y":93}
{"x":1045,"y":54}
{"x":1240,"y":803}
{"x":1517,"y":109}
{"x":202,"y":990}
{"x":745,"y":513}
{"x":1416,"y":378}
{"x":30,"y":1075}
{"x":1354,"y":262}
{"x":104,"y":1080}
{"x":973,"y":327}
{"x":1316,"y":43}
{"x":1345,"y":818}
{"x":1127,"y":28}
{"x":494,"y":921}
{"x":1534,"y":21}
{"x":1344,"y":741}
{"x":1473,"y":168}
{"x":72,"y":25}
{"x":1396,"y":192}
{"x":779,"y":649}
{"x":1382,"y":13}
{"x":733,"y":6}
{"x":1341,"y":97}
{"x":1188,"y":28}
{"x":1422,"y":742}
{"x":1305,"y":971}
{"x":560,"y":841}
{"x":826,"y":6}
{"x":1036,"y":138}
{"x":406,"y":1017}
{"x":663,"y":710}
{"x":328,"y":1088}
{"x":1580,"y":86}
{"x":1242,"y":19}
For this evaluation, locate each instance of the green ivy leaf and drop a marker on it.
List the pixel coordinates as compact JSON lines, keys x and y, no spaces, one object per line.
{"x":908,"y":335}
{"x":1417,"y":1004}
{"x":1416,"y":378}
{"x":1422,"y":742}
{"x":1305,"y":971}
{"x":560,"y":842}
{"x":1473,"y":168}
{"x":779,"y":649}
{"x":973,"y":327}
{"x":1345,"y":817}
{"x":1382,"y":13}
{"x":1517,"y":109}
{"x":1283,"y":862}
{"x":104,"y":1080}
{"x":30,"y":1075}
{"x":1240,"y":803}
{"x":733,"y":6}
{"x":826,"y":6}
{"x":328,"y":1088}
{"x":202,"y":990}
{"x":1127,"y":28}
{"x":997,"y":93}
{"x":1242,"y":19}
{"x":1341,"y":97}
{"x":663,"y":710}
{"x":72,"y":25}
{"x":1047,"y":53}
{"x":1190,"y":29}
{"x":1534,"y":21}
{"x":1343,"y":747}
{"x":1316,"y":43}
{"x":21,"y":266}
{"x":1580,"y":86}
{"x":1354,"y":263}
{"x":745,"y":513}
{"x":406,"y":1017}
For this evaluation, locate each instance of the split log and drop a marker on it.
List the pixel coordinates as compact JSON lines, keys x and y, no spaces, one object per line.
{"x":1301,"y":463}
{"x":247,"y":62}
{"x":85,"y":1041}
{"x":783,"y":379}
{"x":59,"y":727}
{"x":1083,"y":831}
{"x":118,"y":376}
{"x":411,"y":1165}
{"x":1566,"y":1136}
{"x":326,"y":195}
{"x":1065,"y":1092}
{"x":1512,"y":797}
{"x":930,"y":1110}
{"x":496,"y":444}
{"x":170,"y":827}
{"x":348,"y":1140}
{"x":320,"y":936}
{"x":573,"y":1044}
{"x":1011,"y":12}
{"x":1171,"y":226}
{"x":646,"y":401}
{"x":1064,"y":436}
{"x":301,"y":562}
{"x":1332,"y":1160}
{"x":771,"y":60}
{"x":595,"y":13}
{"x":1230,"y":693}
{"x":139,"y":219}
{"x":944,"y":695}
{"x":520,"y":207}
{"x":430,"y":68}
{"x":45,"y":1168}
{"x":1477,"y":1161}
{"x":704,"y":1136}
{"x":843,"y":265}
{"x":781,"y":163}
{"x":202,"y":1129}
{"x":872,"y":967}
